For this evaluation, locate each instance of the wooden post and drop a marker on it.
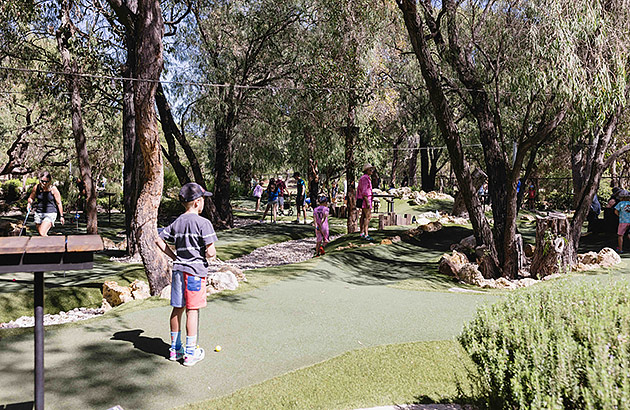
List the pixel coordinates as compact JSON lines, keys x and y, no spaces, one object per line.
{"x":381,"y":222}
{"x":554,"y":251}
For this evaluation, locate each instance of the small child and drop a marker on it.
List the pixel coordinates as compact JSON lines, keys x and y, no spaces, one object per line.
{"x":320,"y":217}
{"x":623,"y":210}
{"x":194,"y":239}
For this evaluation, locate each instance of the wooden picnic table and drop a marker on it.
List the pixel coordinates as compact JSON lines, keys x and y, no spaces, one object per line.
{"x":39,"y":254}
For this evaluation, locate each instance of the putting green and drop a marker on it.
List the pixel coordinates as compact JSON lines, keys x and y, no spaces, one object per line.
{"x":341,"y":304}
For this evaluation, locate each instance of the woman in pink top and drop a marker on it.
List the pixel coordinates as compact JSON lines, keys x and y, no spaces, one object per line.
{"x":364,"y":193}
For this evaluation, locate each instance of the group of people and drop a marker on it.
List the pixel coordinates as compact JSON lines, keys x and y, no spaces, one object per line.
{"x":276,"y":193}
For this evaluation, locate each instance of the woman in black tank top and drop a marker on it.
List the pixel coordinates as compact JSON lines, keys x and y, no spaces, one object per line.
{"x":48,"y":204}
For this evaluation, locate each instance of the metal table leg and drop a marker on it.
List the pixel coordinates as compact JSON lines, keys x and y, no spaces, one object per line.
{"x":39,"y":340}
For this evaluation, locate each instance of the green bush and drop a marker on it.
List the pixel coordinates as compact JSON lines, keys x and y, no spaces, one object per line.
{"x":170,"y":207}
{"x":12,"y":190}
{"x":562,"y":347}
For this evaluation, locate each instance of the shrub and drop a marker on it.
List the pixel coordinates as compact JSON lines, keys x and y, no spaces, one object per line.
{"x":562,"y":347}
{"x":12,"y":190}
{"x":170,"y":207}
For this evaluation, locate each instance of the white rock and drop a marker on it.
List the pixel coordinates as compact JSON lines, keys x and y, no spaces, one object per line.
{"x":608,"y":257}
{"x":225,"y":280}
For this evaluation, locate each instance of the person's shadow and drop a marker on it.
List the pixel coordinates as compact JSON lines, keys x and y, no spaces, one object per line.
{"x":153,"y":345}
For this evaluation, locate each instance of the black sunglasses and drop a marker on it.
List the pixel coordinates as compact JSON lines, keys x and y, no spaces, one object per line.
{"x":45,"y":181}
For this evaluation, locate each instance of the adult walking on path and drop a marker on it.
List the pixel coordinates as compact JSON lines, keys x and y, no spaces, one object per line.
{"x":364,"y":200}
{"x":48,"y":205}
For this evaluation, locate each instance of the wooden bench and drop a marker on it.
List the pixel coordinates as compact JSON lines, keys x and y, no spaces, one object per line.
{"x":39,"y":254}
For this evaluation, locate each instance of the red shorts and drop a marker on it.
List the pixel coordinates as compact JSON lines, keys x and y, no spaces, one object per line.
{"x":188,"y":291}
{"x":622,"y":229}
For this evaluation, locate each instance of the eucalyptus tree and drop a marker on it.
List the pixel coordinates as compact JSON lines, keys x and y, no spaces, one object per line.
{"x":240,"y":48}
{"x":601,"y":60}
{"x":44,"y":99}
{"x":498,"y":58}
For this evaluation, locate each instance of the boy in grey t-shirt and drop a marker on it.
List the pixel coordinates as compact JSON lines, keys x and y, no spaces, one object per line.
{"x":194,"y":239}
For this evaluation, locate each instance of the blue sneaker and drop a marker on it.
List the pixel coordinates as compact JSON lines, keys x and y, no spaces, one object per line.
{"x":175,"y":355}
{"x":368,"y":238}
{"x":192,"y":359}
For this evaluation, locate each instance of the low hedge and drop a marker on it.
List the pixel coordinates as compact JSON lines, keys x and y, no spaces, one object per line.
{"x":565,"y":346}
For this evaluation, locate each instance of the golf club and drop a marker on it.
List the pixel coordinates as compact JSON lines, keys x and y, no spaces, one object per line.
{"x":28,"y":212}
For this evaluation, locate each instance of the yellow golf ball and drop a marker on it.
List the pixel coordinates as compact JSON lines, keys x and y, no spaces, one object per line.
{"x":217,"y":349}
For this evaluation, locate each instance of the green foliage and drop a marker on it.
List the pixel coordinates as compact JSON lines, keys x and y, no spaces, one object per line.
{"x":170,"y":207}
{"x":171,"y":183}
{"x":558,"y":200}
{"x":558,"y":347}
{"x":11,"y":190}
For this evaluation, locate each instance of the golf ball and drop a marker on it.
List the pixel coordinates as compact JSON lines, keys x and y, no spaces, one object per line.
{"x":217,"y":349}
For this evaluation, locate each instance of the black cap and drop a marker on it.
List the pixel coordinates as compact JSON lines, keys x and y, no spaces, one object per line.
{"x":296,"y":174}
{"x":192,"y":191}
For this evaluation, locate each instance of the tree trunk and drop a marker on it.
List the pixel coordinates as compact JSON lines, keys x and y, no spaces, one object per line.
{"x":412,"y":168}
{"x":312,"y":170}
{"x":395,"y":159}
{"x":169,"y":128}
{"x":459,"y":207}
{"x":223,"y":168}
{"x":351,"y":134}
{"x":446,"y":123}
{"x":554,"y":250}
{"x":132,"y":159}
{"x":149,"y":30}
{"x":71,"y":70}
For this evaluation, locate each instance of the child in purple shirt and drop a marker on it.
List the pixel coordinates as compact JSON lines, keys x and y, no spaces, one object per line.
{"x":320,"y":217}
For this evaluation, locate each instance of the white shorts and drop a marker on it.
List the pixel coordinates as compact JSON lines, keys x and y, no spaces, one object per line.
{"x":281,"y":201}
{"x":41,"y":217}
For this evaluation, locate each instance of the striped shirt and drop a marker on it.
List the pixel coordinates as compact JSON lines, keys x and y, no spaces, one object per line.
{"x":191,"y":234}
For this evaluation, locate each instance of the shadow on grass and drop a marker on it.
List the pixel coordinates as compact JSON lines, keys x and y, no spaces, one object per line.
{"x":151,"y":345}
{"x":27,"y":405}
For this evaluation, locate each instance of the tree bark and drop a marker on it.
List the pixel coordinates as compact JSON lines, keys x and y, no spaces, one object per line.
{"x":395,"y":159}
{"x":412,"y":166}
{"x":169,"y":129}
{"x":132,"y":158}
{"x":223,"y":166}
{"x":312,"y":170}
{"x":459,"y":207}
{"x":351,"y":133}
{"x":149,"y":60}
{"x":71,"y":69}
{"x":446,"y":123}
{"x":554,"y":250}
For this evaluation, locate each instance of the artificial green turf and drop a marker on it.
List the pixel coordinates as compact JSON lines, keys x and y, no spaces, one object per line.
{"x":420,"y":372}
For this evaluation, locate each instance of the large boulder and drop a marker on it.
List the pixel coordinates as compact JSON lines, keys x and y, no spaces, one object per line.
{"x":238,"y":273}
{"x":116,"y":294}
{"x":607,"y":258}
{"x":451,"y":264}
{"x":140,"y":289}
{"x":219,"y":281}
{"x":504,"y":283}
{"x":469,"y":273}
{"x":588,"y":258}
